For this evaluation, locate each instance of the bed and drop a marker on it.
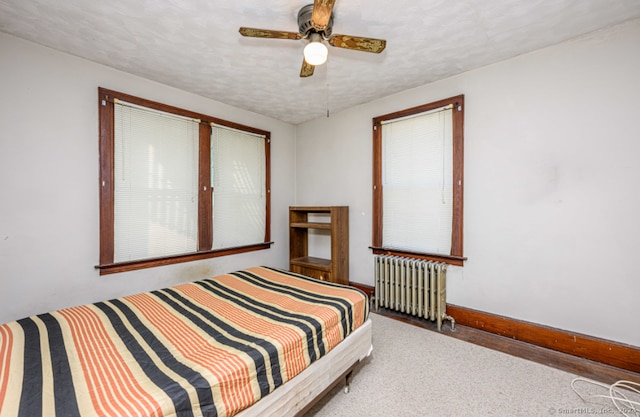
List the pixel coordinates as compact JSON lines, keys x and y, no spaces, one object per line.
{"x":256,"y":342}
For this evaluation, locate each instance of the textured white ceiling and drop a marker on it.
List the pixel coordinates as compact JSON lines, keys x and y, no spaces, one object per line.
{"x":194,"y":45}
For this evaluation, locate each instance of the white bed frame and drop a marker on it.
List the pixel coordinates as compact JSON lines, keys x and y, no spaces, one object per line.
{"x":296,"y":396}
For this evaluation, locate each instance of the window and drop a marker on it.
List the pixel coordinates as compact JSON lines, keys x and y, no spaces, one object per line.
{"x":177,"y":186}
{"x":155,"y":183}
{"x":418,"y":181}
{"x":238,"y":175}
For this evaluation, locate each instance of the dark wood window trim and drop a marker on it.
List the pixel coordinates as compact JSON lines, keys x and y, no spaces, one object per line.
{"x":174,"y":259}
{"x":449,"y":259}
{"x":456,"y":256}
{"x":205,"y":225}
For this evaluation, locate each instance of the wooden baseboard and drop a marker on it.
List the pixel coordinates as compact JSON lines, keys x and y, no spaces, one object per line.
{"x":618,"y":355}
{"x":369,"y":290}
{"x":599,"y":350}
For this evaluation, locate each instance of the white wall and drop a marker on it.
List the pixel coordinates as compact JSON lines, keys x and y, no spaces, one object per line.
{"x":551,"y":204}
{"x":551,"y":198}
{"x":49,"y":221}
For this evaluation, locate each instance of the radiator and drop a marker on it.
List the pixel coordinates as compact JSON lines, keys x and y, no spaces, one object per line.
{"x":412,"y":286}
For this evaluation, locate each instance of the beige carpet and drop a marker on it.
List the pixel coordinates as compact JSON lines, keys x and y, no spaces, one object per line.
{"x":417,"y":372}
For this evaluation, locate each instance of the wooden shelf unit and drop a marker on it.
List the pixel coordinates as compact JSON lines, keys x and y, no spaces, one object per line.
{"x":335,"y":269}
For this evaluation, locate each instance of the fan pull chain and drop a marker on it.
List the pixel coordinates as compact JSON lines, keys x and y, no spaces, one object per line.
{"x":327,"y":89}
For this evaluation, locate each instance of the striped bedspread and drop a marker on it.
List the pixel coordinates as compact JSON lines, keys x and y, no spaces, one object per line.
{"x":207,"y":348}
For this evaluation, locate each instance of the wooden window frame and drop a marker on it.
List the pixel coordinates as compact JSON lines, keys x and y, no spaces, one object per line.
{"x":205,"y":210}
{"x":455,"y":257}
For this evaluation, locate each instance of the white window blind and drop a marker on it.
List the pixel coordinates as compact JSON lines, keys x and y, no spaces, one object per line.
{"x":156,"y":183}
{"x":417,"y":173}
{"x":239,"y":185}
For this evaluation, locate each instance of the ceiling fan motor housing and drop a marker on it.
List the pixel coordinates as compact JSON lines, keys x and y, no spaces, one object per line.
{"x":306,"y":26}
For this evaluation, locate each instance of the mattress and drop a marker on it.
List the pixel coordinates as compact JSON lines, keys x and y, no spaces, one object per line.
{"x":301,"y":393}
{"x":207,"y":348}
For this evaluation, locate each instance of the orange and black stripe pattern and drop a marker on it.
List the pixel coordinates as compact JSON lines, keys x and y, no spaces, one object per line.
{"x":208,"y":348}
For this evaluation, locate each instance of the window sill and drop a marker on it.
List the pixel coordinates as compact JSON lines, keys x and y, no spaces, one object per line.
{"x":168,"y":260}
{"x":448,"y":259}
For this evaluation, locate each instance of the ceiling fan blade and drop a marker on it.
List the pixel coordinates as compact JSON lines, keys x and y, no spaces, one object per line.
{"x":321,"y":13}
{"x":266,"y":33}
{"x":307,"y":69}
{"x":357,"y":43}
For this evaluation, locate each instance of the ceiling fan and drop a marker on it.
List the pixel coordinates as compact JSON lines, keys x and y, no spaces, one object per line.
{"x":315,"y":22}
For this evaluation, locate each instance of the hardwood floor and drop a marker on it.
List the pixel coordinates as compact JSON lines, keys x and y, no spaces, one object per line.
{"x":569,"y":363}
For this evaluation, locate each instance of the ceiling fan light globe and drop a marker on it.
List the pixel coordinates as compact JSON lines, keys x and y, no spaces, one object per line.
{"x":315,"y":53}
